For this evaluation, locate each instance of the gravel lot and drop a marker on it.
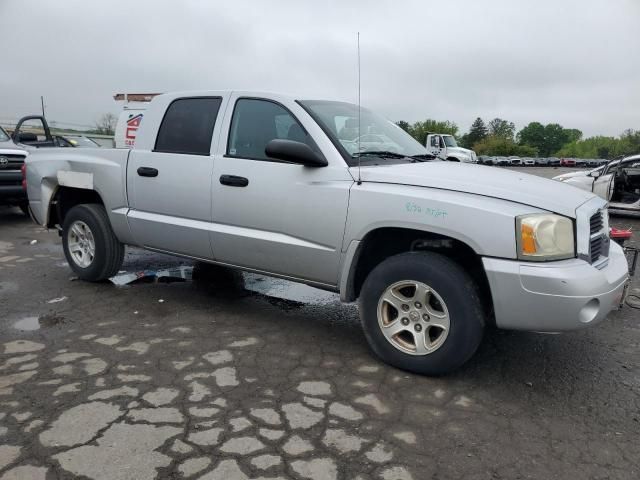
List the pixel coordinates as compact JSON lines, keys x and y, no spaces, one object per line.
{"x":240,"y":376}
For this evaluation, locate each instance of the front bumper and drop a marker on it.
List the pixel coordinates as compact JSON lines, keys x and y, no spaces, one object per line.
{"x":555,"y":296}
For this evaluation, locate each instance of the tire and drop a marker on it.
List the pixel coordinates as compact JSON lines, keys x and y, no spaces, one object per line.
{"x":108,"y":252}
{"x":450,"y":290}
{"x":25,"y":208}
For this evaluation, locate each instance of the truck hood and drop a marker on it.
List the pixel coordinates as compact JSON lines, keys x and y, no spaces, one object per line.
{"x":481,"y":180}
{"x":11,"y":148}
{"x":9,"y":145}
{"x":459,"y":149}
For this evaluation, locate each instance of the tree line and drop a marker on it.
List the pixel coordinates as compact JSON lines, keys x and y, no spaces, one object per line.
{"x":106,"y":124}
{"x":498,"y":137}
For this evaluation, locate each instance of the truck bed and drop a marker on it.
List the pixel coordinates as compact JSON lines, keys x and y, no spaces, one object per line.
{"x":102,"y":170}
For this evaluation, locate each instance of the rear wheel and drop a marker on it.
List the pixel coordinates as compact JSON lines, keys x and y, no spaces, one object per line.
{"x":90,"y":246}
{"x":421,"y":312}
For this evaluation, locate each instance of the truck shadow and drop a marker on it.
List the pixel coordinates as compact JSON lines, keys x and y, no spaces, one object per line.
{"x":507,"y":357}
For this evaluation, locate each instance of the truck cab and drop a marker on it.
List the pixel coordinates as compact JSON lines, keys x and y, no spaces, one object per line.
{"x":445,"y":147}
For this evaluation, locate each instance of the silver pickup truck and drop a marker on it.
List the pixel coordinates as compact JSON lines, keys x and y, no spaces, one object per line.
{"x":434,"y":251}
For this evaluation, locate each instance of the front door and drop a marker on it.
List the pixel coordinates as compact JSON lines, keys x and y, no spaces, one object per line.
{"x":603,"y":185}
{"x":169,"y":187}
{"x":436,"y":146}
{"x":273,"y":216}
{"x":628,"y":192}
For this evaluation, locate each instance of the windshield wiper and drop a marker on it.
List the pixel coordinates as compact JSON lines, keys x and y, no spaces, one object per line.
{"x":379,"y":153}
{"x":424,"y":157}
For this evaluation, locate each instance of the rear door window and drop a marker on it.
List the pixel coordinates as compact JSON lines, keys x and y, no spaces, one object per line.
{"x":187,"y":126}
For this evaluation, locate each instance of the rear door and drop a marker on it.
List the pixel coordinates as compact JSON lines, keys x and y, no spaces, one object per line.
{"x":169,"y":186}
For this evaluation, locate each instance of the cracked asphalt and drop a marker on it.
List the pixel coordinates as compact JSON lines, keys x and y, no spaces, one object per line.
{"x":233,"y":376}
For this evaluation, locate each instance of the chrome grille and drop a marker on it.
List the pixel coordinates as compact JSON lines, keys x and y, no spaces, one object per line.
{"x":596,"y":222}
{"x":595,"y":248}
{"x":11,"y":161}
{"x":598,"y":238}
{"x":592,"y":222}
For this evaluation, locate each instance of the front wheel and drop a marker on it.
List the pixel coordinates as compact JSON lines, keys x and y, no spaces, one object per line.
{"x":421,"y":312}
{"x":90,"y":246}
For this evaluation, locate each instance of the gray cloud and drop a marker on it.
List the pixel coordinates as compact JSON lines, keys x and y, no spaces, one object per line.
{"x":568,"y":61}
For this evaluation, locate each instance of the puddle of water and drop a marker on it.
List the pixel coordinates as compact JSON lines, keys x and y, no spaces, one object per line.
{"x":224,"y":279}
{"x":8,"y":287}
{"x":27,"y":324}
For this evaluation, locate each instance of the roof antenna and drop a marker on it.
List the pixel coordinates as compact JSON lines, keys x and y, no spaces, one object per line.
{"x":359,"y":150}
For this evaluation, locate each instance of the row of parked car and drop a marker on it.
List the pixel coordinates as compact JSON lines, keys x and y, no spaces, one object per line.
{"x":541,"y":162}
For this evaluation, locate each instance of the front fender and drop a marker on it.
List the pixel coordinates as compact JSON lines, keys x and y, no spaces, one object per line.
{"x":485,"y":224}
{"x":42,"y":185}
{"x":583,"y":183}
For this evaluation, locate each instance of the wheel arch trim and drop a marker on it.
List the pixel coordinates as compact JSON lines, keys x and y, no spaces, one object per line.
{"x":351,"y":256}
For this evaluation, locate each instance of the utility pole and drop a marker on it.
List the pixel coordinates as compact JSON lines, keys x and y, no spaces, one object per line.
{"x":42,"y":103}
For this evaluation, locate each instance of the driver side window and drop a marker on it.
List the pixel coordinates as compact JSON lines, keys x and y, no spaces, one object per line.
{"x":256,"y":122}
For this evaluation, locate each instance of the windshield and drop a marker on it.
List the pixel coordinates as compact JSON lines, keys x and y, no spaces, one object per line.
{"x":450,"y":141}
{"x":4,"y":137}
{"x":375,"y":134}
{"x":612,"y":164}
{"x":626,"y":163}
{"x":80,"y":141}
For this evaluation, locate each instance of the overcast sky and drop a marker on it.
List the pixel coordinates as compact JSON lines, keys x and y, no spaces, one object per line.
{"x":574,"y":62}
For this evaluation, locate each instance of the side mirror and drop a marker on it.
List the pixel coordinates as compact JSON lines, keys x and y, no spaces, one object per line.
{"x":294,"y":152}
{"x":595,"y":173}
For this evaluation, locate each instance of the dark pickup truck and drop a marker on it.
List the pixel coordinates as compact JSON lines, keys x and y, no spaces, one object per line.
{"x":11,"y":162}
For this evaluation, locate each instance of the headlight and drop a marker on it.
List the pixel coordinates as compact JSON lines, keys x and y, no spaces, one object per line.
{"x":544,"y":236}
